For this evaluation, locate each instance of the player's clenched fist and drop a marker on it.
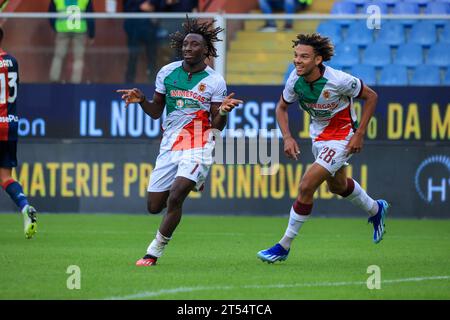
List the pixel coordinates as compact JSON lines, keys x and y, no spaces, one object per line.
{"x":132,"y":96}
{"x":229,"y":104}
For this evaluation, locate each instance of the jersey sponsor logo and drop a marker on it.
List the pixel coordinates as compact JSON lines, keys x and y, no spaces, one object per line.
{"x":185,"y":104}
{"x":187,"y":94}
{"x":6,"y":63}
{"x":323,"y":106}
{"x":8,"y":119}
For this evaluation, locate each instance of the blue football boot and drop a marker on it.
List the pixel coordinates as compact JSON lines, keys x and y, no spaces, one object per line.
{"x":378,"y":221}
{"x":276,"y":253}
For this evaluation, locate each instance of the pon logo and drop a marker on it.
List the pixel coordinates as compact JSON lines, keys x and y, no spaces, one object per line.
{"x":432,"y":186}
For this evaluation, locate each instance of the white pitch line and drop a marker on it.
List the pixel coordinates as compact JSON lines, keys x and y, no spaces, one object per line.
{"x":150,"y":294}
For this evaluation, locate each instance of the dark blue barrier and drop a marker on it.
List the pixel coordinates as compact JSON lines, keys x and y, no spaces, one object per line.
{"x":81,"y":151}
{"x":95,"y":111}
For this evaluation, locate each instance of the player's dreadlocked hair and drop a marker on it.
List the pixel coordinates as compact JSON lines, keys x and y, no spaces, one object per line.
{"x":205,"y":29}
{"x":322,"y":45}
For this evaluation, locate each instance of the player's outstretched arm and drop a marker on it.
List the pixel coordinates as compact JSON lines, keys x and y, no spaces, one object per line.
{"x":291,"y":148}
{"x":153,"y":108}
{"x":370,"y":98}
{"x":219,"y":111}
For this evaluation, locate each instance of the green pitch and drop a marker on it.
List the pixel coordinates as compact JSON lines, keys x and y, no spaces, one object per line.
{"x":215,"y":258}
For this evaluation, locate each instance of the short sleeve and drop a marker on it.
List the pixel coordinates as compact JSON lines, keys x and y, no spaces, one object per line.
{"x":220,"y":92}
{"x":289,"y":94}
{"x":349,"y":85}
{"x":159,"y":83}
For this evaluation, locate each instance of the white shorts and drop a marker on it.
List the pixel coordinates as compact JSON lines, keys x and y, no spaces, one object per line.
{"x":331,"y":154}
{"x":192,"y":164}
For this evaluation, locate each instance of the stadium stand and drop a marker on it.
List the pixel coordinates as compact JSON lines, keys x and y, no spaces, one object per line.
{"x":250,"y":61}
{"x":365,"y":72}
{"x":391,"y":33}
{"x":409,"y":55}
{"x":394,"y":75}
{"x":425,"y":75}
{"x":439,"y":55}
{"x":358,"y":49}
{"x":423,"y":33}
{"x":445,"y":35}
{"x":383,"y":6}
{"x":359,"y":34}
{"x":447,"y":78}
{"x":377,"y":55}
{"x":346,"y":55}
{"x":332,"y":30}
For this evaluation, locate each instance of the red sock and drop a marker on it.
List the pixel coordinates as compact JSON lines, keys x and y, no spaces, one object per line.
{"x":302,"y":208}
{"x":350,"y":188}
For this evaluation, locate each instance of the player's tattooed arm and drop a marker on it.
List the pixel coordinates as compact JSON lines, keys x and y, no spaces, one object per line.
{"x":219,"y":111}
{"x":370,"y":102}
{"x":291,"y":148}
{"x":153,"y":108}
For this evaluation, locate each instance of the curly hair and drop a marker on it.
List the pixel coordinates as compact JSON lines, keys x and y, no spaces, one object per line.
{"x":205,"y":29}
{"x":322,"y":45}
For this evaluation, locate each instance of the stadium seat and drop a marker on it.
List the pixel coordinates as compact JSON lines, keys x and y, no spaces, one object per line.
{"x":437,"y":8}
{"x":332,"y":30}
{"x":441,"y":8}
{"x":406,"y":8}
{"x":445,"y":35}
{"x":359,"y":34}
{"x":447,"y":78}
{"x":333,"y":64}
{"x":377,"y":55}
{"x":419,"y":2}
{"x":343,"y":8}
{"x":346,"y":55}
{"x":439,"y":55}
{"x":288,"y":71}
{"x":366,"y":73}
{"x":356,"y":2}
{"x":393,"y":75}
{"x":389,"y":2}
{"x":409,"y":55}
{"x":423,"y":33}
{"x":383,"y":6}
{"x":391,"y":33}
{"x":426,"y":76}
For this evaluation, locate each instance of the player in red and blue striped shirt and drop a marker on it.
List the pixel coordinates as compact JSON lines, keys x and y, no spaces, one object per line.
{"x":9,"y":123}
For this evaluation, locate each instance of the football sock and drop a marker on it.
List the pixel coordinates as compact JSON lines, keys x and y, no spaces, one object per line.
{"x":356,"y":195}
{"x":157,"y":246}
{"x":15,"y":191}
{"x":298,"y":215}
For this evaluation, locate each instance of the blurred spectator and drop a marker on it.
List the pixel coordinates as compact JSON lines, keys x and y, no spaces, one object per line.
{"x":179,"y":5}
{"x":289,"y":7}
{"x":3,"y":4}
{"x":169,"y":26}
{"x":70,"y":31}
{"x":140,"y":31}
